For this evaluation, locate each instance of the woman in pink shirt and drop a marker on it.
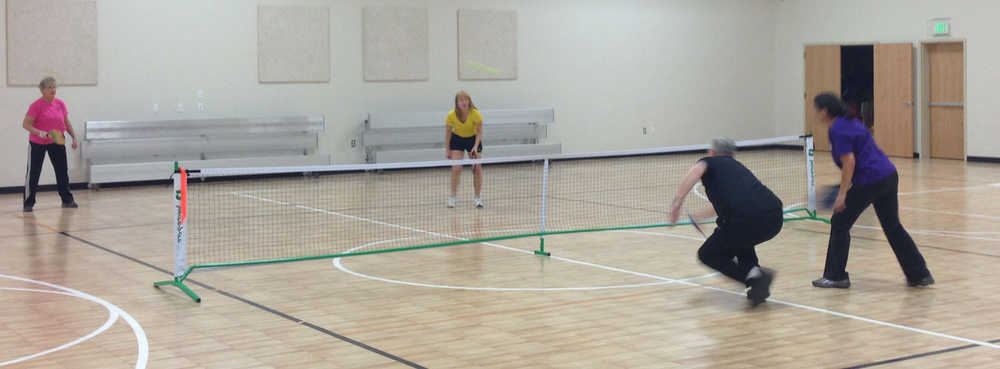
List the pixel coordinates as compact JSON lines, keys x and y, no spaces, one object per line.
{"x":45,"y":115}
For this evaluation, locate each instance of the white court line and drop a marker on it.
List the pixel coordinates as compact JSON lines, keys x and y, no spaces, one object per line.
{"x":699,"y":239}
{"x":958,"y":232}
{"x":806,"y":307}
{"x":683,"y":282}
{"x":522,"y":230}
{"x":112,"y":318}
{"x":405,"y":228}
{"x":933,"y":233}
{"x":990,"y":217}
{"x":339,"y":265}
{"x":535,"y":289}
{"x":445,"y":235}
{"x":698,"y":193}
{"x":863,"y":319}
{"x":140,"y":335}
{"x":811,"y":308}
{"x":794,"y":205}
{"x":951,"y":189}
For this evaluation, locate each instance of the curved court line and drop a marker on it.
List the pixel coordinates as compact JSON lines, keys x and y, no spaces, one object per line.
{"x":805,"y":307}
{"x":683,"y":282}
{"x":112,"y":318}
{"x":140,"y":335}
{"x":466,"y":288}
{"x":341,"y":267}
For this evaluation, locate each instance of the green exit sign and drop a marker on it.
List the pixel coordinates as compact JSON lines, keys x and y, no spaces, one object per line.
{"x":941,"y":28}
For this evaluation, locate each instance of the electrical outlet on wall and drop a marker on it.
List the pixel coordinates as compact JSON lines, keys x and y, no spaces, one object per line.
{"x":180,"y":107}
{"x":354,"y":143}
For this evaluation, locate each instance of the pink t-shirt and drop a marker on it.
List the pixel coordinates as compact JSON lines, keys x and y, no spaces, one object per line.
{"x":48,"y":116}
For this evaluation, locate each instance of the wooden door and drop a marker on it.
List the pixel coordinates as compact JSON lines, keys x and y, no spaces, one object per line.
{"x":946,"y":63}
{"x":894,"y":99}
{"x":822,"y":75}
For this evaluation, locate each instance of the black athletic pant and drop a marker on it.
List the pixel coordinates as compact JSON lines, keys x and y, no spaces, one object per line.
{"x":736,"y":238}
{"x":884,"y":196}
{"x":57,"y":155}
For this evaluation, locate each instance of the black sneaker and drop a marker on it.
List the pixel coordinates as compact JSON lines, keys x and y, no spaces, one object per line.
{"x":760,"y":287}
{"x":27,"y":209}
{"x":829,"y":283}
{"x":923,"y":282}
{"x":70,"y":205}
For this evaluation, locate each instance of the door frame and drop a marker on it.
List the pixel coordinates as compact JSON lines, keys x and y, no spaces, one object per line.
{"x":923,"y":94}
{"x":918,"y":55}
{"x":807,"y":106}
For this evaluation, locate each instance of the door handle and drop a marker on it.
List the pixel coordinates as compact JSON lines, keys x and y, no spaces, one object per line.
{"x":951,"y":104}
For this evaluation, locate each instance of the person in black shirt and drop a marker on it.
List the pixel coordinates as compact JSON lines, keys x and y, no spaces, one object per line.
{"x":748,"y":214}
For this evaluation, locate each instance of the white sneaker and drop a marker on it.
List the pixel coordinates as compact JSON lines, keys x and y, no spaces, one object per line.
{"x":478,"y":202}
{"x":451,"y":202}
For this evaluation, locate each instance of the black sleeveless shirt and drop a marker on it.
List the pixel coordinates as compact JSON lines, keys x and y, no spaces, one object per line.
{"x":734,"y":191}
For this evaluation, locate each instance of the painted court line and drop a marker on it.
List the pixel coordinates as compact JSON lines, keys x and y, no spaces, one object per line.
{"x":444,"y":235}
{"x":143,"y":342}
{"x":140,"y":335}
{"x":508,"y":312}
{"x":980,"y":216}
{"x":867,"y":320}
{"x":112,"y":318}
{"x":932,"y":233}
{"x":341,"y":267}
{"x":686,"y":283}
{"x":951,"y":189}
{"x":916,"y":356}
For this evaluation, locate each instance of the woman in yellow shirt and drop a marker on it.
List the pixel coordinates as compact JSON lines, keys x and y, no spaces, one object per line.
{"x":464,"y":133}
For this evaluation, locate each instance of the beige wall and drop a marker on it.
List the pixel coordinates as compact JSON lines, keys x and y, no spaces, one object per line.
{"x":801,"y":22}
{"x":690,"y":69}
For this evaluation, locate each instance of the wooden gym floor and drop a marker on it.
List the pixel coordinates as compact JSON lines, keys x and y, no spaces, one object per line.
{"x":75,"y":292}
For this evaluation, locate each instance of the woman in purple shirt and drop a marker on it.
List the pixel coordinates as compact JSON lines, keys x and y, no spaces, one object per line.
{"x":866,"y":177}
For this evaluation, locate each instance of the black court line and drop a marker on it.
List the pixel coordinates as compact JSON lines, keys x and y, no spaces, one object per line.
{"x":26,"y":235}
{"x":922,"y":245}
{"x":916,"y":356}
{"x":257,"y":305}
{"x":116,"y":253}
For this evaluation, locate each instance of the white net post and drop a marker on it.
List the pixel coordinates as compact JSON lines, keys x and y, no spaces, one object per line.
{"x":180,"y":235}
{"x":180,"y":228}
{"x":545,"y":188}
{"x":811,"y":173}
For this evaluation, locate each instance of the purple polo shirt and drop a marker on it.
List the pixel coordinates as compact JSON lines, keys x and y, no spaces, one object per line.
{"x":848,"y":135}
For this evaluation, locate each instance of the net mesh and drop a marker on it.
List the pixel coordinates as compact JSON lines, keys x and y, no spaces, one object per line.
{"x":244,"y":215}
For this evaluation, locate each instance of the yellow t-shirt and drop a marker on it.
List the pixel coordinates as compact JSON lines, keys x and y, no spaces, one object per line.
{"x":466,"y":128}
